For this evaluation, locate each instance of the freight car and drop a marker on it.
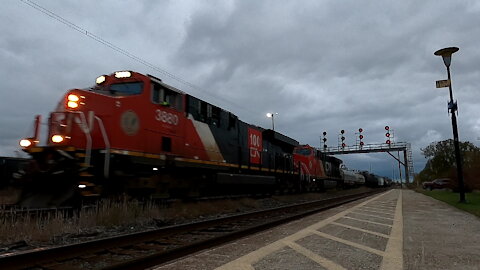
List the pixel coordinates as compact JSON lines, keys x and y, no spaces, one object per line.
{"x":351,"y":178}
{"x":133,"y":133}
{"x":372,"y":180}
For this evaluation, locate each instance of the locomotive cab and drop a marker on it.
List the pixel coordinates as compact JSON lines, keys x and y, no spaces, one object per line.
{"x":308,"y":161}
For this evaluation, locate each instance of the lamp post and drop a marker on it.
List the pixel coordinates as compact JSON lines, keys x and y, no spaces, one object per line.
{"x":271,"y":115}
{"x":446,"y":54}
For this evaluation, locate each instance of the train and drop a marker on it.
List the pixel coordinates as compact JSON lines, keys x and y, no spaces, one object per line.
{"x":132,"y":133}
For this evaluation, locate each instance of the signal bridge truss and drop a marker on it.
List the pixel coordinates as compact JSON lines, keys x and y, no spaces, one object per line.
{"x":375,"y":148}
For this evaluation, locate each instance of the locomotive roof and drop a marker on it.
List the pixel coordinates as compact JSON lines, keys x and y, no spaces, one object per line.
{"x":158,"y":80}
{"x":268,"y":133}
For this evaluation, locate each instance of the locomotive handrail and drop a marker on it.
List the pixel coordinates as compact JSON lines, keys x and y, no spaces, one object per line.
{"x":106,"y":165}
{"x":86,"y":130}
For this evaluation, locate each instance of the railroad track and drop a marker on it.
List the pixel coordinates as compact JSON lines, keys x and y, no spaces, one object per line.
{"x":150,"y":248}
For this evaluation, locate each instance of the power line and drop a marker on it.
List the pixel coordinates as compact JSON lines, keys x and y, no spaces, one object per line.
{"x":122,"y":51}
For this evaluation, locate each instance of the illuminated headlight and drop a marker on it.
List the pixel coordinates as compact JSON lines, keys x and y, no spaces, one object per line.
{"x":25,"y":143}
{"x":73,"y":98}
{"x":57,"y":138}
{"x":100,"y":79}
{"x":72,"y":101}
{"x":123,"y":74}
{"x":82,"y":186}
{"x":72,"y":105}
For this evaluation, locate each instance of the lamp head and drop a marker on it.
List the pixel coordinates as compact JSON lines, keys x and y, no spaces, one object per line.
{"x":446,"y":54}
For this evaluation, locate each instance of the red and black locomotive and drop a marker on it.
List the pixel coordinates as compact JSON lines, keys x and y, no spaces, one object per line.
{"x":134,"y":133}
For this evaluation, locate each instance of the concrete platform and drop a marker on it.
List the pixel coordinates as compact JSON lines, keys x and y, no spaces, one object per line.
{"x":398,"y":229}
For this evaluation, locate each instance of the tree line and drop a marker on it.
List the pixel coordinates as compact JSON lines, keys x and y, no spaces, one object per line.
{"x":441,"y":163}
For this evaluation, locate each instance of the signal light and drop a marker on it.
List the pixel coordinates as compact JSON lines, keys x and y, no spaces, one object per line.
{"x":324,"y":133}
{"x":387,"y":128}
{"x":360,"y":136}
{"x":343,"y":138}
{"x":324,"y":139}
{"x":342,"y":131}
{"x":343,"y":145}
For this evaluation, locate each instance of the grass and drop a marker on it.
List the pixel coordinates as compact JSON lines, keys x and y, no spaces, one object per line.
{"x":473,"y":200}
{"x":106,"y":216}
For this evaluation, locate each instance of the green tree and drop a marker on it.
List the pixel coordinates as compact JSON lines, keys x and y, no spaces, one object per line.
{"x":441,"y":160}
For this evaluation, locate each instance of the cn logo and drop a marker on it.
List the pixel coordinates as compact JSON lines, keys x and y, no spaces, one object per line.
{"x":255,"y":145}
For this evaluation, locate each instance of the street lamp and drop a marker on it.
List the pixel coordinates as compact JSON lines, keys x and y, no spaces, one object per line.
{"x":446,"y":54}
{"x":271,"y":115}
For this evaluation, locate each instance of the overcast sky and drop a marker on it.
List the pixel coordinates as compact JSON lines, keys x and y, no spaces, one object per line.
{"x":321,"y":65}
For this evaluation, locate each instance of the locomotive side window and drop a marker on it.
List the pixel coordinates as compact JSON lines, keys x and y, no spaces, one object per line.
{"x":216,"y":116}
{"x":203,"y":111}
{"x":232,"y":121}
{"x":303,"y":151}
{"x":166,"y":97}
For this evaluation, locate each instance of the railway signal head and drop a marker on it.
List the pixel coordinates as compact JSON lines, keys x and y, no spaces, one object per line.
{"x":387,"y":128}
{"x":324,"y":133}
{"x":324,"y":139}
{"x":343,"y":145}
{"x":342,"y":131}
{"x":360,"y":136}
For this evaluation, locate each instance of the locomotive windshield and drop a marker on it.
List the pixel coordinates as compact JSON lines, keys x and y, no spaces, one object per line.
{"x":121,"y":89}
{"x":303,"y":151}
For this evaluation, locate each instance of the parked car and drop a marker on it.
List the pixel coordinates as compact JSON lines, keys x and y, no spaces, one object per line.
{"x":438,"y":184}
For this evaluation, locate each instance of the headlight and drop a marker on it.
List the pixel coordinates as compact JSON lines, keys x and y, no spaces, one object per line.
{"x":72,"y":105}
{"x":25,"y":143}
{"x":73,"y":98}
{"x":57,"y":138}
{"x":72,"y":101}
{"x":100,"y":79}
{"x":123,"y":74}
